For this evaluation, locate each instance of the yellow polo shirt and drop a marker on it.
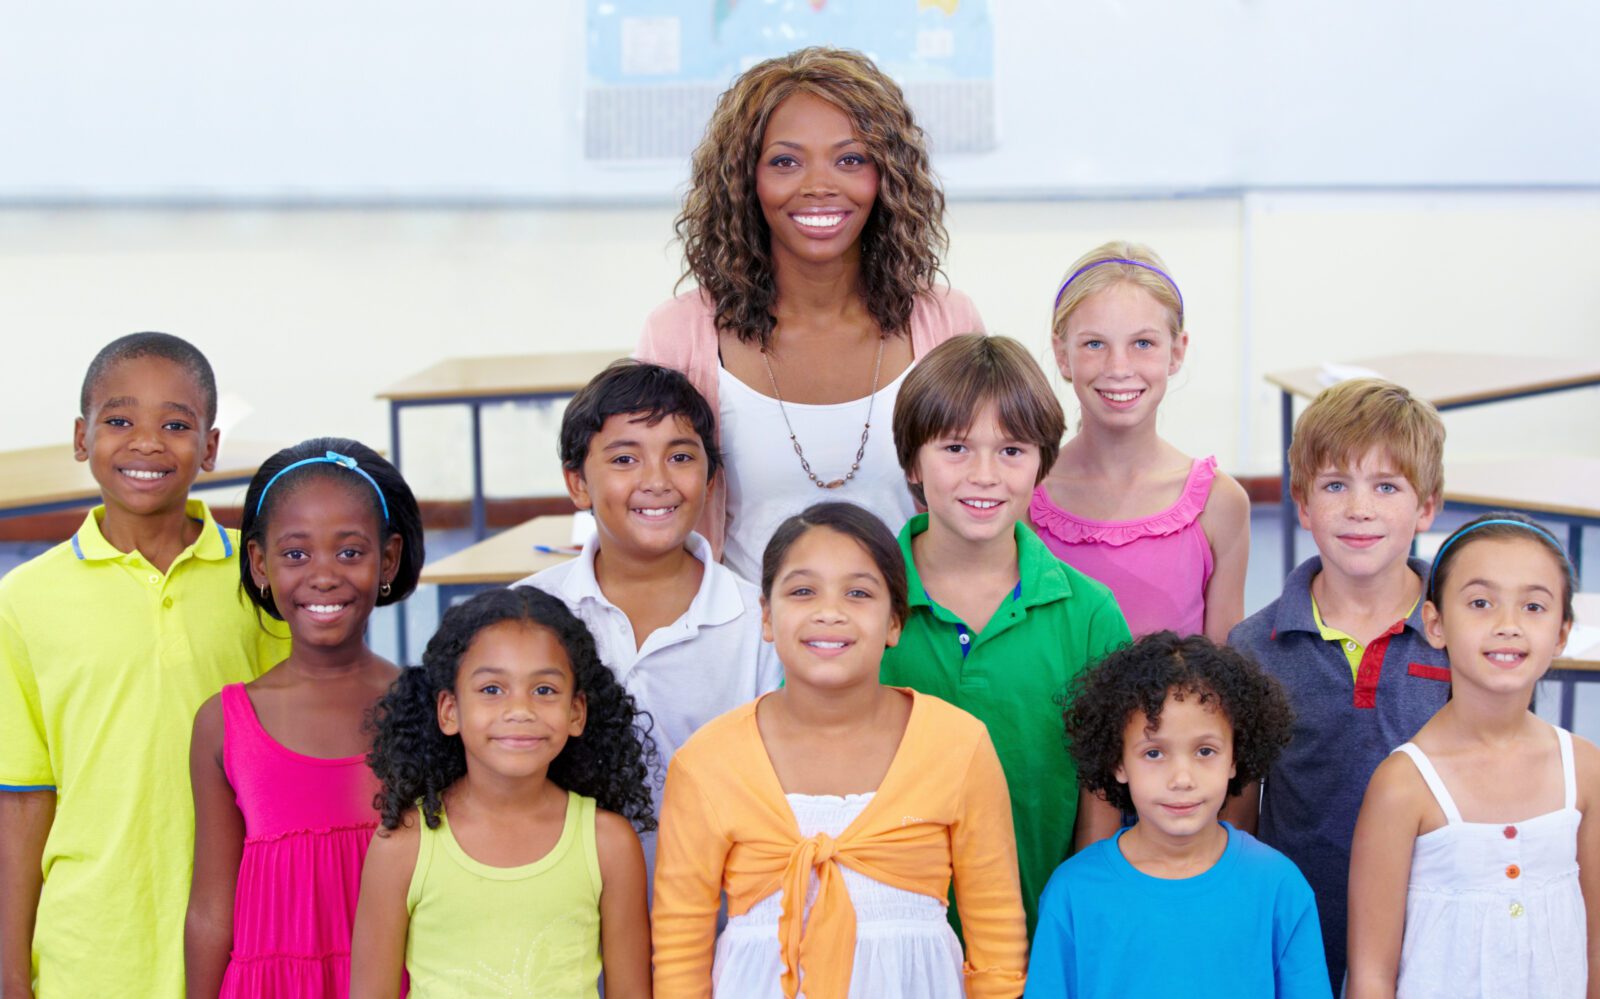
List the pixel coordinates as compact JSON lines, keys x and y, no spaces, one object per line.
{"x":103,"y":662}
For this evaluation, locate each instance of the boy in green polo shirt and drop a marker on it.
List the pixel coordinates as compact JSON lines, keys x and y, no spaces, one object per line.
{"x":998,"y":624}
{"x":109,"y":642}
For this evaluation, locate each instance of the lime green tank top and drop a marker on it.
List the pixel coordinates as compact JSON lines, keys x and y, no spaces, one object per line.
{"x":532,"y":930}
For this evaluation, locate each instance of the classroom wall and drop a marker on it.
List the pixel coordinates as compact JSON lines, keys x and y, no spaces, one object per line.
{"x":307,"y":313}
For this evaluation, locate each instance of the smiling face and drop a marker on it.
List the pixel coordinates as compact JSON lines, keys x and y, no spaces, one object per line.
{"x":145,"y":437}
{"x":515,"y":702}
{"x":828,"y":612}
{"x":645,"y":483}
{"x":1177,"y":774}
{"x":815,"y":181}
{"x":977,"y":484}
{"x":1363,"y":516}
{"x":1499,"y":613}
{"x":323,"y":555}
{"x":1118,"y":350}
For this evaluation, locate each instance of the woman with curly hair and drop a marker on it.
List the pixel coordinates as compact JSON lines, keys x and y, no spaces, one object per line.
{"x":812,"y":228}
{"x":1179,"y":903}
{"x":513,"y":777}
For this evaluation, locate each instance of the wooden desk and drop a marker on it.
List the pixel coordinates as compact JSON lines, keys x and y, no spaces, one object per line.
{"x":1560,"y":488}
{"x":1448,"y":380}
{"x":42,"y":479}
{"x":501,"y":560}
{"x":1577,"y":665}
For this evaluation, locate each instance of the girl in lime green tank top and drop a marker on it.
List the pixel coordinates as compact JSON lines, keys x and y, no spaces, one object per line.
{"x":514,"y":777}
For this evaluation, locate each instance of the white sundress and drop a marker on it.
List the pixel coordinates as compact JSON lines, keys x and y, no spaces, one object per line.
{"x":1495,"y":909}
{"x":904,"y":944}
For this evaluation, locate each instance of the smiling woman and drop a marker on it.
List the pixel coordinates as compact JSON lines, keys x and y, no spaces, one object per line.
{"x":812,"y":229}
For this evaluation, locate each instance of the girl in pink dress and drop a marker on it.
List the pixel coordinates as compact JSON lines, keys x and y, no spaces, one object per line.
{"x":1168,"y":533}
{"x":284,"y":801}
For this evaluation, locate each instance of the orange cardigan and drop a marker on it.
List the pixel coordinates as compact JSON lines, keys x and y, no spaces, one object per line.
{"x":942,"y":809}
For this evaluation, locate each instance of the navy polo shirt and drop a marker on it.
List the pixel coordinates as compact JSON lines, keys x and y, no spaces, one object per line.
{"x":1343,"y":729}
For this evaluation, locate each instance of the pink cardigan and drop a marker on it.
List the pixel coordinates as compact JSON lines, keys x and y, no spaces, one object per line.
{"x":682,"y":333}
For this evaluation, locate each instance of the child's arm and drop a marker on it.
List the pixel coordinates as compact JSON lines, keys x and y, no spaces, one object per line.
{"x":1226,"y":523}
{"x":624,"y":913}
{"x":1380,"y":868}
{"x":378,"y":940}
{"x":691,"y":849}
{"x":983,"y":849}
{"x":25,"y":819}
{"x":1586,"y":760}
{"x":218,"y":845}
{"x":1097,"y":820}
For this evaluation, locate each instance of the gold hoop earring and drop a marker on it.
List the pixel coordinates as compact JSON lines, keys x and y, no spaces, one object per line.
{"x":263,"y":591}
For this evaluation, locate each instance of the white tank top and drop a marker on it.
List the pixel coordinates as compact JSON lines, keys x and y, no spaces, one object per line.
{"x":766,"y":484}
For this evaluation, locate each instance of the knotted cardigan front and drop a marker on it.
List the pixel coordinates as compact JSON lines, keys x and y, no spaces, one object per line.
{"x":942,"y":811}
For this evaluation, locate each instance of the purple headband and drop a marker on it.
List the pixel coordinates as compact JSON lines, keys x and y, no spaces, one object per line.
{"x":1131,"y":263}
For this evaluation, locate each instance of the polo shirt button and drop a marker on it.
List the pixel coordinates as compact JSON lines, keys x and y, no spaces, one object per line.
{"x":1510,"y":832}
{"x":1516,"y":909}
{"x":167,"y":602}
{"x":1513,"y":871}
{"x":1350,"y":645}
{"x":966,"y":639}
{"x":155,"y":578}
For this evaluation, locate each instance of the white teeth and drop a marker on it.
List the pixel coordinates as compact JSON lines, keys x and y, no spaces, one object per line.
{"x":826,"y":645}
{"x":1121,"y":396}
{"x":982,"y":504}
{"x":819,"y":221}
{"x":135,"y":473}
{"x":1505,"y":657}
{"x":656,"y":511}
{"x":325,"y":608}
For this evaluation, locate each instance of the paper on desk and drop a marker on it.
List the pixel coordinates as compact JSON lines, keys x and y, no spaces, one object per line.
{"x":1582,"y":639}
{"x":1333,"y":374}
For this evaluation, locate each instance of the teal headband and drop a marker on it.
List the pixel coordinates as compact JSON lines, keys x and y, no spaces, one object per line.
{"x":331,"y":458}
{"x":1433,"y":570}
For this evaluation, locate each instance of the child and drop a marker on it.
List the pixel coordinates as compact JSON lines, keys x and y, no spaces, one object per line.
{"x":283,"y":797}
{"x":879,"y":795}
{"x":1474,"y":870}
{"x":1346,"y":637}
{"x":998,"y":625}
{"x":681,"y":632}
{"x":1168,"y":533}
{"x":108,"y":643}
{"x":1179,"y":904}
{"x":513,"y":729}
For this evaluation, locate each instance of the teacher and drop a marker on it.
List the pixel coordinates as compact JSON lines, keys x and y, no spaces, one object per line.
{"x":812,"y":229}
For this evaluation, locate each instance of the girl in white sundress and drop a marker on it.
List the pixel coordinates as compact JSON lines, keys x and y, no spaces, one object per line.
{"x":1475,"y":869}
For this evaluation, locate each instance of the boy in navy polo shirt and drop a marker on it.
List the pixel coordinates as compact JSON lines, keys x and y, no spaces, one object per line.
{"x":1345,"y":638}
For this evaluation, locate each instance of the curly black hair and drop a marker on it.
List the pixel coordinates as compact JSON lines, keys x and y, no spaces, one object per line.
{"x":416,"y":762}
{"x":1139,"y":677}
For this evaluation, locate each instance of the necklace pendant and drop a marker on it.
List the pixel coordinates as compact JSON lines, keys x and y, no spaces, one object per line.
{"x":835,"y":484}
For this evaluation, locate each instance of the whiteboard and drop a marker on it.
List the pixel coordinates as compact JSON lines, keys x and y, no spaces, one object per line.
{"x":405,"y":102}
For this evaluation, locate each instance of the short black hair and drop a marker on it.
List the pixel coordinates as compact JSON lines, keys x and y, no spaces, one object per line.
{"x":164,"y":345}
{"x":856,"y":523}
{"x":1500,"y":525}
{"x":629,"y":386}
{"x":405,"y":519}
{"x":1138,"y":677}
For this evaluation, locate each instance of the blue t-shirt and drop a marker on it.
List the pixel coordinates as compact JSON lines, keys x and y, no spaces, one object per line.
{"x":1245,"y":928}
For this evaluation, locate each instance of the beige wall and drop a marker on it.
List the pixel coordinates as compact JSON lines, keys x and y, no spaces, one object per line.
{"x":306,"y":314}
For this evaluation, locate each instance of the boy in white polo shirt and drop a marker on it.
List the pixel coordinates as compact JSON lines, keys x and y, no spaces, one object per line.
{"x":680,"y":630}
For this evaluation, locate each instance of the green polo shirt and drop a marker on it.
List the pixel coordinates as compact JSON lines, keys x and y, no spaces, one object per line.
{"x":1056,"y":622}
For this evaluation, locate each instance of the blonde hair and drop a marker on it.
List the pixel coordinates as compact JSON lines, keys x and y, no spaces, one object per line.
{"x":1347,"y":420}
{"x":945,"y":390}
{"x":1103,"y":267}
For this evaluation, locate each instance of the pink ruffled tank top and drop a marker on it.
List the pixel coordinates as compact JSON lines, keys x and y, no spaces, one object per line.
{"x":1157,"y":566}
{"x":307,"y":824}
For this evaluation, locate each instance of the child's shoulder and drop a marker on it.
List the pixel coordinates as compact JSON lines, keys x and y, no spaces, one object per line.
{"x":43,"y":570}
{"x":1264,"y":860}
{"x":1586,"y":772}
{"x":709,"y":744}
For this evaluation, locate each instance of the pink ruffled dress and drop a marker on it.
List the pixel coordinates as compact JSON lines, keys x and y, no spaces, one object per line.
{"x":307,"y":825}
{"x":1157,"y":566}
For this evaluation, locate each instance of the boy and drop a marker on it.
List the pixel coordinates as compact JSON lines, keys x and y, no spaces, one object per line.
{"x":998,"y":624}
{"x":109,"y":642}
{"x":681,"y":631}
{"x":1346,"y":637}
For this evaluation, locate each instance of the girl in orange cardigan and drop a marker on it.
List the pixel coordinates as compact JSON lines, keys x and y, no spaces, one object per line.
{"x":835,"y":811}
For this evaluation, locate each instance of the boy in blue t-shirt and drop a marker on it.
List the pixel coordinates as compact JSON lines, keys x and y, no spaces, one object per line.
{"x":1179,"y":904}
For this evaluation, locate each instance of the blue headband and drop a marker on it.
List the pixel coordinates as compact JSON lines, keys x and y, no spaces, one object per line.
{"x":1131,"y":263}
{"x":331,"y":458}
{"x":1433,"y":570}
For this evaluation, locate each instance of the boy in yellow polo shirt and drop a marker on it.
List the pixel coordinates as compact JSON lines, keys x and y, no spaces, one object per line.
{"x":109,"y":642}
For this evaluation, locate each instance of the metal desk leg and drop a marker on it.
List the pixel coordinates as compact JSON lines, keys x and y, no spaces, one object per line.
{"x":1569,"y":698}
{"x":480,"y":527}
{"x":401,"y":641}
{"x":1286,"y":504}
{"x":1575,"y":552}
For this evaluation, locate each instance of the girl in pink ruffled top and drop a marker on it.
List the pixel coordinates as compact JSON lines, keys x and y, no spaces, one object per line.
{"x":1168,"y":533}
{"x":284,"y":800}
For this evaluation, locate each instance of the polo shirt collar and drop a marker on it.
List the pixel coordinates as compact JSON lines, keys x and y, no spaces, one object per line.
{"x":213,"y":544}
{"x":1294,"y":607}
{"x":1043,"y":578}
{"x":718,"y":600}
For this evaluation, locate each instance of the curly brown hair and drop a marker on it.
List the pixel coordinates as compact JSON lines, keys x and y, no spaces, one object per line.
{"x":726,"y":243}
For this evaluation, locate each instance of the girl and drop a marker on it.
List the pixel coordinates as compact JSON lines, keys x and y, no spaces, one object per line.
{"x":1168,"y":533}
{"x":1178,"y":904}
{"x":834,"y":811}
{"x":813,"y":229}
{"x":511,"y":770}
{"x":1476,"y":863}
{"x":283,"y":798}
